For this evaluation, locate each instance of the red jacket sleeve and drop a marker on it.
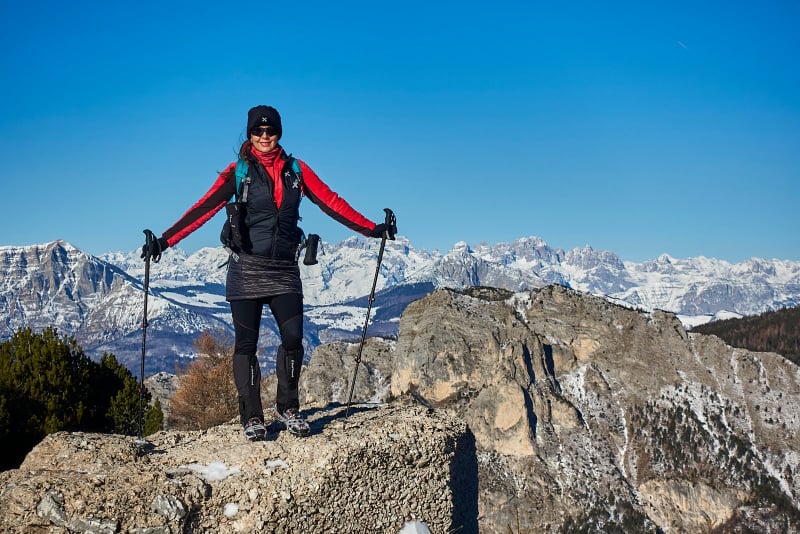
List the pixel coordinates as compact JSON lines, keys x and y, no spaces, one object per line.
{"x":332,"y":204}
{"x":214,"y":200}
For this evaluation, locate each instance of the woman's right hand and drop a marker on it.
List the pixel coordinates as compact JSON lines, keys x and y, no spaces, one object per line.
{"x":153,"y":246}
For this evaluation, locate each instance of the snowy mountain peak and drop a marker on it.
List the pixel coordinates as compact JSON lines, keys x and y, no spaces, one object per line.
{"x":460,"y":248}
{"x":99,"y":300}
{"x":533,"y":241}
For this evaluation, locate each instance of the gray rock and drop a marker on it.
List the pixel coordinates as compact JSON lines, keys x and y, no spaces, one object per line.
{"x":169,"y":507}
{"x":93,"y":526}
{"x":51,"y":507}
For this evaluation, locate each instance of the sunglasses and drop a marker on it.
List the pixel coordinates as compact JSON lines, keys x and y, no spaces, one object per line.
{"x":261,"y":130}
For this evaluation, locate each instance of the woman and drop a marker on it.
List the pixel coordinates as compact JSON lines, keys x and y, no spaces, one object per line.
{"x":263,"y":263}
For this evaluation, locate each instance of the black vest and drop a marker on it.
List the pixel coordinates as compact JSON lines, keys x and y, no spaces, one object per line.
{"x":270,"y":231}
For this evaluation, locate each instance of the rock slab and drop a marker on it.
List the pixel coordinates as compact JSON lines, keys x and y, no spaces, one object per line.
{"x":372,"y":472}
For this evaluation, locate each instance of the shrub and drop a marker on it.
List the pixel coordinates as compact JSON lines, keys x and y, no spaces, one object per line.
{"x":206,"y":394}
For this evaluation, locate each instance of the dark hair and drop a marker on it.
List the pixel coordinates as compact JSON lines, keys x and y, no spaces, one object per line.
{"x":244,"y":150}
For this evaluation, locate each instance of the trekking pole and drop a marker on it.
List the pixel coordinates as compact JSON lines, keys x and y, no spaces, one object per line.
{"x":149,"y":237}
{"x":390,"y":223}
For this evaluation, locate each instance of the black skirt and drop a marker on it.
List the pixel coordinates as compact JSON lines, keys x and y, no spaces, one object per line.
{"x":255,"y":277}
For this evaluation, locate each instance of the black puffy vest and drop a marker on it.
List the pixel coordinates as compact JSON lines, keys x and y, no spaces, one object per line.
{"x":270,"y":231}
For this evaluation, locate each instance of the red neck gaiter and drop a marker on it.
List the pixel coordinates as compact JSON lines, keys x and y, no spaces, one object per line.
{"x":273,"y":164}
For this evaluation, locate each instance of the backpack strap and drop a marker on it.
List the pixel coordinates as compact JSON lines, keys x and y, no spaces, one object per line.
{"x":242,"y":168}
{"x":295,"y":166}
{"x":243,"y":181}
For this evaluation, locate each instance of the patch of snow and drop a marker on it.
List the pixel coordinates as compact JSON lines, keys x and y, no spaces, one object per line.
{"x":231,"y":509}
{"x":415,"y":527}
{"x":213,"y":471}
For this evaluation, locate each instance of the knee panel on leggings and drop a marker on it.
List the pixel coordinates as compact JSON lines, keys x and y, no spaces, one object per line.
{"x":288,"y":312}
{"x":292,"y":335}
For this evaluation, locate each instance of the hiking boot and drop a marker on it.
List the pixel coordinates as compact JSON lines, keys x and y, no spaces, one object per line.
{"x":293,"y":421}
{"x":255,"y":430}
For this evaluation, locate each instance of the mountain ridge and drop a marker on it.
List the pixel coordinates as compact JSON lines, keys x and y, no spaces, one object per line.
{"x":99,"y":299}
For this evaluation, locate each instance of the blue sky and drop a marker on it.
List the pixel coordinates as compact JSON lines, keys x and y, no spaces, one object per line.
{"x":637,"y":127}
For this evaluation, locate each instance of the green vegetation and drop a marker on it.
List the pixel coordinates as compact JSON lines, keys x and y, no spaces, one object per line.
{"x":774,"y":331}
{"x":677,"y":443}
{"x":48,"y":384}
{"x":680,"y":443}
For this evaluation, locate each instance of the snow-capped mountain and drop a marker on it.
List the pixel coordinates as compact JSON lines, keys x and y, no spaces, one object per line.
{"x":99,"y":300}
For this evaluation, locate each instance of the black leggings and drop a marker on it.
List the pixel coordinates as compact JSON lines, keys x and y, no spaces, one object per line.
{"x":287,"y":310}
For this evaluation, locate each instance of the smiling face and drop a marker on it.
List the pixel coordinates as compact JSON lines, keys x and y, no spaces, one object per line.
{"x":264,"y":138}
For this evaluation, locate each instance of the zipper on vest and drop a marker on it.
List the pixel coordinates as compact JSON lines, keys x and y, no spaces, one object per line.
{"x":275,"y":233}
{"x":276,"y":227}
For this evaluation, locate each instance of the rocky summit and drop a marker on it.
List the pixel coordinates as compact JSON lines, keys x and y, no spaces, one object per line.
{"x":372,"y":472}
{"x":493,"y":411}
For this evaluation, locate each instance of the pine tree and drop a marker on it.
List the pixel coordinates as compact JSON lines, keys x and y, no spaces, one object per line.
{"x":43,"y":389}
{"x":125,"y":408}
{"x":122,"y":396}
{"x":153,"y":419}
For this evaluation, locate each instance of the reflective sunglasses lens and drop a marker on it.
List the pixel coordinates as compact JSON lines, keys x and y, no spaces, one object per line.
{"x":258,"y":132}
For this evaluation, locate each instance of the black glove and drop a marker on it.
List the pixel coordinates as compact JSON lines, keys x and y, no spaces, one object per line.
{"x":380,"y":229}
{"x":153,"y":247}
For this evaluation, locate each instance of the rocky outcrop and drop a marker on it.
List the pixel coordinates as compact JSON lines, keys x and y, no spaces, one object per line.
{"x":162,"y":386}
{"x":588,"y":413}
{"x":372,"y":472}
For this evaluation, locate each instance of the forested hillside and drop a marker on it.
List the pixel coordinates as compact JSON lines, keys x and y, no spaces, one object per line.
{"x":775,"y":331}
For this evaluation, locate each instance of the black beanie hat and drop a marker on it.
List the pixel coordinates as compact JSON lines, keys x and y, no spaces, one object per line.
{"x":264,"y":116}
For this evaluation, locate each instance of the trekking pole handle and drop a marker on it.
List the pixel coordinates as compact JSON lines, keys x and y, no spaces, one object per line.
{"x":149,"y":237}
{"x":391,"y":224}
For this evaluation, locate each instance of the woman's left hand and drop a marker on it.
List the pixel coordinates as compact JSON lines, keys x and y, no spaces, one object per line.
{"x":389,"y":230}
